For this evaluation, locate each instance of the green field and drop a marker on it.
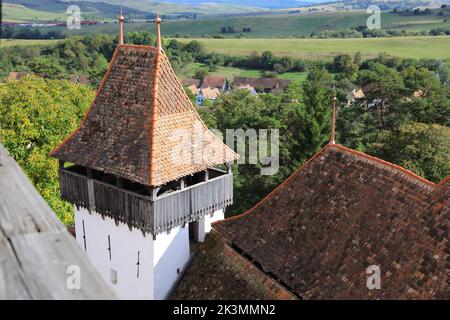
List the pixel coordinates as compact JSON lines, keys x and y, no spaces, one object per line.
{"x":47,"y":10}
{"x":15,"y":42}
{"x":409,"y":47}
{"x":278,"y":25}
{"x":208,"y":7}
{"x":19,"y":13}
{"x":189,"y":70}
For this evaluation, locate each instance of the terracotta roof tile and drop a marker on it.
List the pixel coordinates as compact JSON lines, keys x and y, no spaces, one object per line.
{"x":264,"y":83}
{"x":135,"y":124}
{"x":190,"y":82}
{"x":214,"y":82}
{"x":219,"y":272}
{"x":342,"y":212}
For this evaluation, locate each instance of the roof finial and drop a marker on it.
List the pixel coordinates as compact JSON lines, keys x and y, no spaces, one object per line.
{"x":333,"y":121}
{"x":121,"y":18}
{"x":158,"y":31}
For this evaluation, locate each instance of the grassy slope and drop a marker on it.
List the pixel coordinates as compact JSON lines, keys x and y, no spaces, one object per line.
{"x":170,"y":8}
{"x":110,"y":8}
{"x":276,"y":25}
{"x":296,"y":25}
{"x":412,"y":47}
{"x":16,"y":13}
{"x":9,"y":43}
{"x":188,"y":71}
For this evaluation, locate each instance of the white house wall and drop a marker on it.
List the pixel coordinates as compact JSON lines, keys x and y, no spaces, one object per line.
{"x":170,"y":259}
{"x":125,"y":245}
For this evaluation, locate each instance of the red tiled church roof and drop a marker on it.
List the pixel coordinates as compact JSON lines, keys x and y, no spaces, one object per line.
{"x":138,"y":120}
{"x":342,"y":212}
{"x":214,"y":82}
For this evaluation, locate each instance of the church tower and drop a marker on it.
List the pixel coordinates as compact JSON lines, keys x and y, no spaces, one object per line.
{"x":145,"y":175}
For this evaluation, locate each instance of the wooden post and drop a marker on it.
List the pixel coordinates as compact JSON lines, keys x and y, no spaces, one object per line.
{"x":153,"y":193}
{"x":119,"y":182}
{"x":90,"y":186}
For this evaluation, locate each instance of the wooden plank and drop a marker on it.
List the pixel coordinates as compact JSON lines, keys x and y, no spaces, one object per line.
{"x":45,"y":259}
{"x":35,"y":247}
{"x":22,"y":209}
{"x":12,"y":285}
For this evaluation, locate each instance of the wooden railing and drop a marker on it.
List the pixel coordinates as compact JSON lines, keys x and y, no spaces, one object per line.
{"x":140,"y":211}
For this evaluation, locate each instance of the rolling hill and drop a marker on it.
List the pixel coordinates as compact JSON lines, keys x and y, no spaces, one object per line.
{"x":104,"y":10}
{"x":276,"y":25}
{"x":51,"y":10}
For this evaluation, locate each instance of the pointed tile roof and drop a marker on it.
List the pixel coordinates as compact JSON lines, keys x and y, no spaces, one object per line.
{"x":343,"y":211}
{"x":141,"y":125}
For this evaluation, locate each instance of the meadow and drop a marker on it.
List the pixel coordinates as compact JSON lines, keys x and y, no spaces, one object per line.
{"x":26,"y":42}
{"x":277,"y":25}
{"x":230,"y":73}
{"x":409,"y":47}
{"x":19,"y":13}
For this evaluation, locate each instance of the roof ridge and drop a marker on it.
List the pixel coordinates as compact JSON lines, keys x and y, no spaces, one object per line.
{"x":194,"y":109}
{"x":100,"y":87}
{"x":386,"y":163}
{"x":154,"y":111}
{"x":279,"y":187}
{"x":358,"y":153}
{"x":444,"y":181}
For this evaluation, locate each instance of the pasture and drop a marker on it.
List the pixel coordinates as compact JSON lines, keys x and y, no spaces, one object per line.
{"x":408,"y":47}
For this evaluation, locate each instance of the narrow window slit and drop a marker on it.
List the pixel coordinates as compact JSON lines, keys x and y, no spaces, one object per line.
{"x":138,"y":264}
{"x":109,"y":247}
{"x":84,"y":236}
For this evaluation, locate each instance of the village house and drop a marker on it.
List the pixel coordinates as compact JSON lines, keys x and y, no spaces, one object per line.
{"x":209,"y":89}
{"x":207,"y":93}
{"x":80,"y":79}
{"x":215,"y":82}
{"x":191,"y":84}
{"x":13,"y":75}
{"x":261,"y":85}
{"x":323,"y":232}
{"x":141,"y":202}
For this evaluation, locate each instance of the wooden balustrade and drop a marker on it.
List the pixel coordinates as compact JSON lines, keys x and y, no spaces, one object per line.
{"x":154,"y":216}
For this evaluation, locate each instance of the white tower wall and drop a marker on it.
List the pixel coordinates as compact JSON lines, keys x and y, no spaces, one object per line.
{"x":125,"y":245}
{"x":161,"y":261}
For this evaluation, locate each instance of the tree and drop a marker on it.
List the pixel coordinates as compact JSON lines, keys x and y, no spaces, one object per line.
{"x":315,"y":122}
{"x":267,"y":60}
{"x":201,"y":73}
{"x":35,"y":116}
{"x":195,"y":48}
{"x":387,"y":90}
{"x":143,"y":38}
{"x":421,"y":148}
{"x":47,"y":68}
{"x":285,"y":64}
{"x":344,"y":64}
{"x":358,"y":58}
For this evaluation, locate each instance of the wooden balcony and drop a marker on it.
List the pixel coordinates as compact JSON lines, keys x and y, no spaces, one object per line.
{"x":148,"y":210}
